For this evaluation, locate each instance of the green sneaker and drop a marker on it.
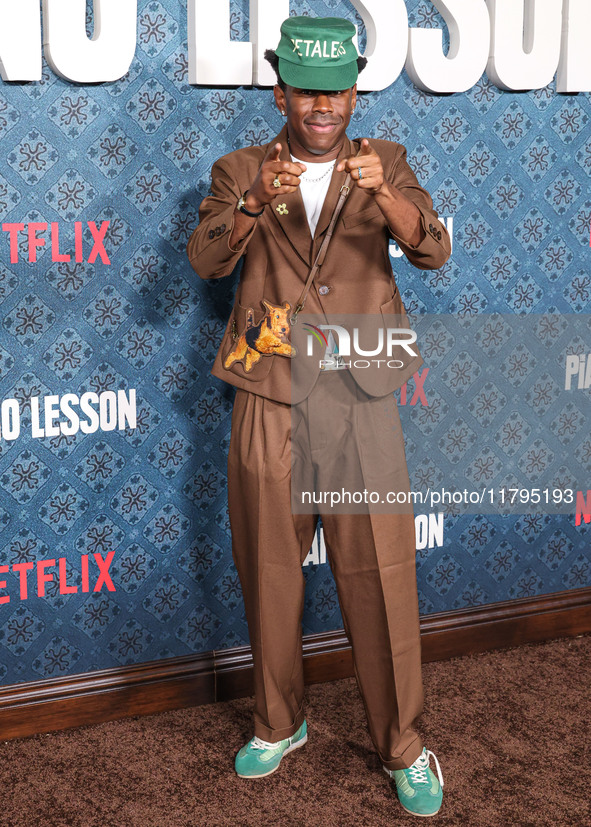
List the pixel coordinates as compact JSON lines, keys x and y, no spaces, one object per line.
{"x":259,"y":758}
{"x":419,"y":791}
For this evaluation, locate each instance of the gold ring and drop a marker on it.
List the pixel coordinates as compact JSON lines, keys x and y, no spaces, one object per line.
{"x":276,"y":181}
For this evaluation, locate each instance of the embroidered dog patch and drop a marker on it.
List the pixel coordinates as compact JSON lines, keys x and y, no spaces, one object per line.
{"x":267,"y":338}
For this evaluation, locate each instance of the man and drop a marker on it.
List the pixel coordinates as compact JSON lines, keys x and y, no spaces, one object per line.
{"x":272,"y":206}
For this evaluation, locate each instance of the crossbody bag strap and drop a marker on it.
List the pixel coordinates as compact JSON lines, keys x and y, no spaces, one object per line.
{"x":322,"y":251}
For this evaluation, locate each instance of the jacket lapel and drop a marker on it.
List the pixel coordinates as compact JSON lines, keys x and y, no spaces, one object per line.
{"x":332,"y":196}
{"x":291,"y":218}
{"x":293,"y":224}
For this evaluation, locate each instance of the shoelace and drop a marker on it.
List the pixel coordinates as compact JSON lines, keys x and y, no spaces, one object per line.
{"x":418,"y":771}
{"x":258,"y":743}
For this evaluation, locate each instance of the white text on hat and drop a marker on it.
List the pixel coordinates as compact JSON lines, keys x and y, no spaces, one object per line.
{"x":336,"y":48}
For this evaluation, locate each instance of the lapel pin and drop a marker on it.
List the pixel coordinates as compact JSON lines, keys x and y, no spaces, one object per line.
{"x":282,"y":209}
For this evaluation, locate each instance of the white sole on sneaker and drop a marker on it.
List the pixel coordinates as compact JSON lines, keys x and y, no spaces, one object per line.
{"x":420,"y":815}
{"x":290,"y":748}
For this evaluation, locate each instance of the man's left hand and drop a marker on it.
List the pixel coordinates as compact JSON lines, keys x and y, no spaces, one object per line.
{"x":366,"y":169}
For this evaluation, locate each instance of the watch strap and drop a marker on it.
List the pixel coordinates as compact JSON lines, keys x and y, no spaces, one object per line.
{"x":243,"y":209}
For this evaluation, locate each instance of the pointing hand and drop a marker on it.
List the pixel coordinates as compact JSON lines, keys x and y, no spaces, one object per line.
{"x":263,"y":191}
{"x":365,"y":168}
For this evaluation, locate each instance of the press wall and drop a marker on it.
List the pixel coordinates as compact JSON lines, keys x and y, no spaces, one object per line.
{"x":509,"y":173}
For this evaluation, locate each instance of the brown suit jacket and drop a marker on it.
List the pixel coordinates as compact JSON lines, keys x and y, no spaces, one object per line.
{"x":279,"y":252}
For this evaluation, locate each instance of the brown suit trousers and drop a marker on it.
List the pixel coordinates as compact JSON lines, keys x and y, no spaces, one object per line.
{"x":372,"y":557}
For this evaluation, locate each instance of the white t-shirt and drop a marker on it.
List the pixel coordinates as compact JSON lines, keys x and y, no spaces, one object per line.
{"x":314,"y":184}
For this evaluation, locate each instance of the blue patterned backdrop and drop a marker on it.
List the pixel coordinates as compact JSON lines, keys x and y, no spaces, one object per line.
{"x":511,"y":169}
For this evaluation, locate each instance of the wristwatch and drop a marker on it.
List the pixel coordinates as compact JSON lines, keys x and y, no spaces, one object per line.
{"x":240,"y":206}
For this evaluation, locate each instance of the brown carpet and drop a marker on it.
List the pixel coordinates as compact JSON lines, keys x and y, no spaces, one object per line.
{"x":510,"y":728}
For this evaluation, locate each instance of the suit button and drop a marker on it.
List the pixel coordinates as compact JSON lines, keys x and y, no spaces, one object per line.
{"x":324,"y":289}
{"x":430,"y":228}
{"x":218,"y":231}
{"x":211,"y":234}
{"x":223,"y":228}
{"x":439,"y":235}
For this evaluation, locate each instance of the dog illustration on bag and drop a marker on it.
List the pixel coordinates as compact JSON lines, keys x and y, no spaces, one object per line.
{"x":267,"y":338}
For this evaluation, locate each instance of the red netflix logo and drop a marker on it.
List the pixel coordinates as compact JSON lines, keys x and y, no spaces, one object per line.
{"x":583,"y":507}
{"x":34,"y":240}
{"x":418,"y":396}
{"x":43,"y":575}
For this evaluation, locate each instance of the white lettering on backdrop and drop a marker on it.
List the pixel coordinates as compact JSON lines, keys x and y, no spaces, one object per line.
{"x":522,"y":43}
{"x":76,"y":57}
{"x":71,"y":54}
{"x":518,"y":41}
{"x":20,"y":40}
{"x":469,"y":34}
{"x":525,"y":43}
{"x":574,"y":69}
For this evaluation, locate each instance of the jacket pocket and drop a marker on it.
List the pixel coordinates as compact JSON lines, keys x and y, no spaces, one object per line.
{"x":238,"y":350}
{"x":363,"y":215}
{"x":393,"y":311}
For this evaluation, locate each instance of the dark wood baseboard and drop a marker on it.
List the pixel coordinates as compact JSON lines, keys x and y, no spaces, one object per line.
{"x":158,"y":686}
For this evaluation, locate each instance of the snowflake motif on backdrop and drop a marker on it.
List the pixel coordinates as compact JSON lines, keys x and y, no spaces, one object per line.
{"x":20,"y":630}
{"x":73,"y":112}
{"x":33,"y":157}
{"x":63,"y":508}
{"x":166,"y":528}
{"x":25,"y":476}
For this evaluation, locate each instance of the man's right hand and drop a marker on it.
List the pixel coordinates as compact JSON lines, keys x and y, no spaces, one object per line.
{"x":262,"y":190}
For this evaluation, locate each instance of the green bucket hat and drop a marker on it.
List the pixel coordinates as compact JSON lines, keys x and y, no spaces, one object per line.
{"x":317,"y":53}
